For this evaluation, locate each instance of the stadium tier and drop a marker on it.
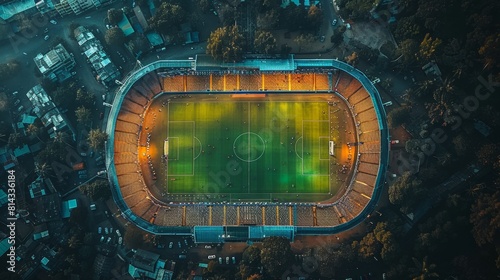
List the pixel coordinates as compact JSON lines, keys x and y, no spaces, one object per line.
{"x":247,"y":147}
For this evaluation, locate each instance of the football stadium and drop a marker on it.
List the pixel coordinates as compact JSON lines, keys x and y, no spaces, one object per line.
{"x":241,"y":151}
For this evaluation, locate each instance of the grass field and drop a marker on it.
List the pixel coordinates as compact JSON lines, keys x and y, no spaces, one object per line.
{"x":248,"y":149}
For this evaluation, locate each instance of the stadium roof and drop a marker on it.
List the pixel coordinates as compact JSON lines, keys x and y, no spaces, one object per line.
{"x":221,"y":234}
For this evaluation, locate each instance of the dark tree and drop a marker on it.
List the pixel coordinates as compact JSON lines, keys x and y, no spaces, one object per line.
{"x":114,"y":16}
{"x":314,"y":17}
{"x":226,"y":44}
{"x":406,"y":191}
{"x":97,"y":190}
{"x":97,"y":138}
{"x":276,"y":255}
{"x":264,"y":42}
{"x":167,"y":18}
{"x":398,"y":116}
{"x":114,"y":36}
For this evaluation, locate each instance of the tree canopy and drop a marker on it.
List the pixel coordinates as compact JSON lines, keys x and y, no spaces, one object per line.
{"x":97,"y":138}
{"x":114,"y":36}
{"x":276,"y":255}
{"x":226,"y":44}
{"x":398,"y":116}
{"x":114,"y":16}
{"x":96,"y":190}
{"x":265,"y":42}
{"x":406,"y":190}
{"x":167,"y":18}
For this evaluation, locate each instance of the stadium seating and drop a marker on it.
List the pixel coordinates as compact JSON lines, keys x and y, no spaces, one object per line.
{"x":134,"y":187}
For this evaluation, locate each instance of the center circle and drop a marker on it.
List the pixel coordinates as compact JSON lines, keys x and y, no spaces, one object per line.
{"x":249,"y":147}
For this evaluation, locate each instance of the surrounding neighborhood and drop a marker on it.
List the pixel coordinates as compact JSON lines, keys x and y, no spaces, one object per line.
{"x":435,"y":64}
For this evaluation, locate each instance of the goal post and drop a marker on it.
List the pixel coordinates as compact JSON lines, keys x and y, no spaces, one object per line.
{"x":331,"y":148}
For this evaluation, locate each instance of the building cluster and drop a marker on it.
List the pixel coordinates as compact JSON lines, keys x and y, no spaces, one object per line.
{"x":40,"y":229}
{"x":103,"y":68}
{"x":45,"y":109}
{"x":55,"y":65}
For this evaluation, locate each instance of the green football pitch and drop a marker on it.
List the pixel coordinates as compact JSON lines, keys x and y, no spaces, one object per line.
{"x":247,"y":149}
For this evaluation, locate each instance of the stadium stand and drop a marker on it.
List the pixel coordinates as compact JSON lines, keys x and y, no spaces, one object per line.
{"x":131,"y":187}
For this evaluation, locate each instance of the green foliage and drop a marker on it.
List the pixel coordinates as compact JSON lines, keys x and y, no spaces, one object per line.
{"x":488,"y":154}
{"x":314,"y":17}
{"x":251,"y":256}
{"x":82,"y":115}
{"x":405,"y":191}
{"x":114,"y":16}
{"x":407,"y":52}
{"x":276,"y":255}
{"x":303,"y":39}
{"x":485,"y":218}
{"x":96,"y":190}
{"x":264,"y":42}
{"x":16,"y":140}
{"x":293,"y":17}
{"x":356,"y":9}
{"x":490,"y":51}
{"x":85,"y":98}
{"x":226,"y":44}
{"x":96,"y":139}
{"x":428,"y":47}
{"x":114,"y":36}
{"x":8,"y":70}
{"x":167,"y":18}
{"x":398,"y":116}
{"x":267,"y":20}
{"x":407,"y":28}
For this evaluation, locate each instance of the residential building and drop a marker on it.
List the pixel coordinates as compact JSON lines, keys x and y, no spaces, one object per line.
{"x":47,"y":208}
{"x":67,"y":206}
{"x":105,"y":71}
{"x":148,"y":265}
{"x":307,"y":3}
{"x":10,"y":9}
{"x":55,"y":65}
{"x":40,"y":232}
{"x":48,"y":113}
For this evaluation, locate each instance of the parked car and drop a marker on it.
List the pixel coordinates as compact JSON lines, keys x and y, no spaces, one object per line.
{"x":234,"y":260}
{"x":220,"y":260}
{"x":182,"y":257}
{"x":17,"y":102}
{"x":53,"y":21}
{"x":179,"y":244}
{"x":227,"y":260}
{"x":170,"y":245}
{"x":211,"y":257}
{"x":82,"y":176}
{"x":82,"y":172}
{"x":334,"y":22}
{"x":120,"y":240}
{"x":99,"y":230}
{"x":109,"y":240}
{"x":185,"y":242}
{"x":20,"y":108}
{"x":106,"y":230}
{"x":102,"y":238}
{"x":46,"y":37}
{"x":208,"y":247}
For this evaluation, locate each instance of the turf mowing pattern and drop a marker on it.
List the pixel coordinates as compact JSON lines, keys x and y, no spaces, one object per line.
{"x":248,"y":149}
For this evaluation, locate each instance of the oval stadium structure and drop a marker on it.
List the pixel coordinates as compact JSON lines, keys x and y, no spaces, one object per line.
{"x":241,"y":151}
